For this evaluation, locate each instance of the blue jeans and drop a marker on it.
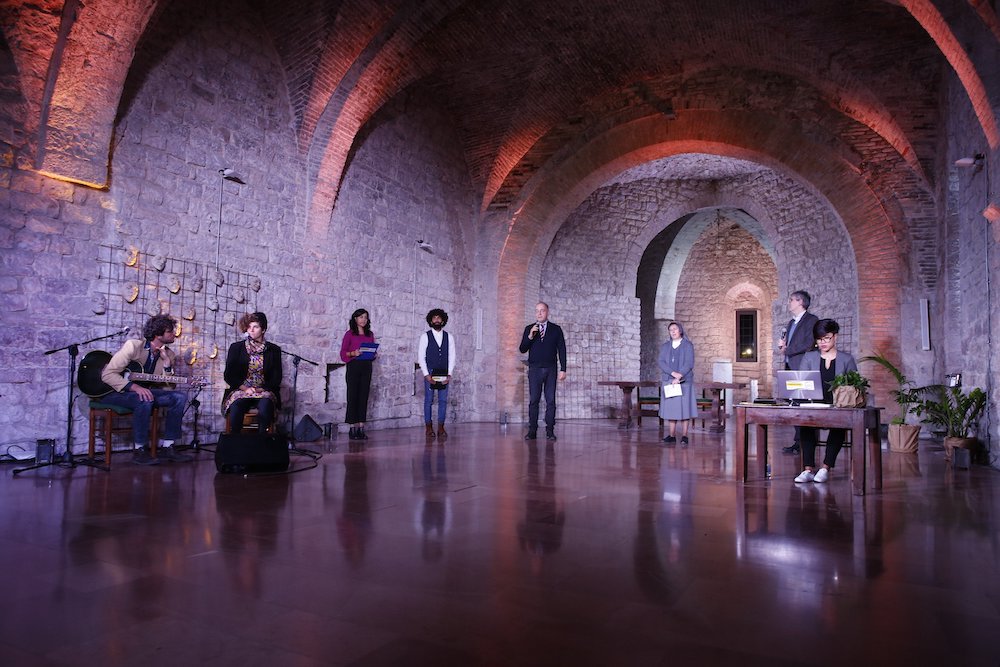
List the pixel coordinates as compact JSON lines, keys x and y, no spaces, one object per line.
{"x":429,"y":399}
{"x":170,"y":402}
{"x":239,"y":408}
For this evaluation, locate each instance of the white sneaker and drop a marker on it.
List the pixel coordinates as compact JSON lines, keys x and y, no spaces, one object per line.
{"x":804,"y":476}
{"x":821,"y":475}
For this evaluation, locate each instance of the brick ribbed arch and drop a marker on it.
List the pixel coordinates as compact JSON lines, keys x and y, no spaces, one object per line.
{"x":555,"y":193}
{"x":938,"y":27}
{"x":87,"y":72}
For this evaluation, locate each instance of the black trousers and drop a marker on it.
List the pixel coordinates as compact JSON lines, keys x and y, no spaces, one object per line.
{"x":834,"y":443}
{"x":542,"y":378}
{"x":359,"y":383}
{"x":265,"y":413}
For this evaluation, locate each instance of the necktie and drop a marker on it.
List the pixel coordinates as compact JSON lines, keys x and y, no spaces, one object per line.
{"x":541,"y":333}
{"x":151,"y":362}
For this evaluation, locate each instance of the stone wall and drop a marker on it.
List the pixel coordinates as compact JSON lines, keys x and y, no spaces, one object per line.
{"x":213,"y":96}
{"x":590,"y":280}
{"x":963,"y":316}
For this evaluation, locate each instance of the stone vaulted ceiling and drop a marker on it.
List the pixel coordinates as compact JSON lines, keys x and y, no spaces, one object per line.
{"x":530,"y":83}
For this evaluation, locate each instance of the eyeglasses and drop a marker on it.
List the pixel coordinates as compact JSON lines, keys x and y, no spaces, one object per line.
{"x":826,"y":339}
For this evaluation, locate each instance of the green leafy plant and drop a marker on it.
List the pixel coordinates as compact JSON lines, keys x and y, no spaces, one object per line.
{"x":850,"y":379}
{"x":907,"y":396}
{"x":951,"y":409}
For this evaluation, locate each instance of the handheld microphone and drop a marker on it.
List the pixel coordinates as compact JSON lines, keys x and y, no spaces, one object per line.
{"x":124,"y":331}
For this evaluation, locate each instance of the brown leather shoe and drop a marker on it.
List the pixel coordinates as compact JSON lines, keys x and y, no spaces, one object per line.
{"x":429,"y":430}
{"x":441,"y":432}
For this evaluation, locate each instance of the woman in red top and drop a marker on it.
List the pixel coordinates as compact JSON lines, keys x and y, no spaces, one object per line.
{"x":359,"y":372}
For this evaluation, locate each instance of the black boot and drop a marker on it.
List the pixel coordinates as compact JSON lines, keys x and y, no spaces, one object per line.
{"x":353,"y":435}
{"x":361,"y":434}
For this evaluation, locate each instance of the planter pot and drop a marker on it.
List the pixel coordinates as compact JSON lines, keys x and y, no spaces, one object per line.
{"x":849,"y":397}
{"x":903,"y":437}
{"x":959,"y":451}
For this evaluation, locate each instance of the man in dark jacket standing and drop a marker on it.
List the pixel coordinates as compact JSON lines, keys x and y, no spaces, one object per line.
{"x":546,"y":346}
{"x":796,"y":341}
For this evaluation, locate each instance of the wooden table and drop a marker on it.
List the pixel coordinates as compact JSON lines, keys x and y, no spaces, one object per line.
{"x":627,"y":386}
{"x":716,"y":388}
{"x":855,"y":419}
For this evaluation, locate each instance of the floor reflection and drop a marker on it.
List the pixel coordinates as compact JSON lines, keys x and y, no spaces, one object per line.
{"x":541,"y":531}
{"x":605,"y":547}
{"x":354,"y":526}
{"x":250,"y":511}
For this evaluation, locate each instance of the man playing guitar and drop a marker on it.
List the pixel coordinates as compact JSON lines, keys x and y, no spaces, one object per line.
{"x":155,"y":358}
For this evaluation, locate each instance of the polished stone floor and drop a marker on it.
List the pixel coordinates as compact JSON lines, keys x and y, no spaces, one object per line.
{"x":604,"y":549}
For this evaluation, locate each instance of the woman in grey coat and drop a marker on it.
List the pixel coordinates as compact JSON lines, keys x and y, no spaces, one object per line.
{"x":830,"y":362}
{"x":677,"y":368}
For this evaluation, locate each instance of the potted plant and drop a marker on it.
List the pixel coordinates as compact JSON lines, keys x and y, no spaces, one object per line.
{"x":903,"y":437}
{"x":850,"y":390}
{"x":957,"y":413}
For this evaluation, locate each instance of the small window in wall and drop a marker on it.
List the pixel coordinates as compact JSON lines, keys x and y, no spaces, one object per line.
{"x":746,"y":335}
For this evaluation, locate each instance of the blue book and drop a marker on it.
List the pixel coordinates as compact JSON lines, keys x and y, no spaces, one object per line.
{"x":368,"y":351}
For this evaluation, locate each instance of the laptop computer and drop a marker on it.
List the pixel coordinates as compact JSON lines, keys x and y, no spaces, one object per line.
{"x":798,"y":385}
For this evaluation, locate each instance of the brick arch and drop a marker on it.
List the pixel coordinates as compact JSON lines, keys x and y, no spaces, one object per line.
{"x":85,"y":83}
{"x":756,"y":291}
{"x":937,"y":26}
{"x":545,"y":205}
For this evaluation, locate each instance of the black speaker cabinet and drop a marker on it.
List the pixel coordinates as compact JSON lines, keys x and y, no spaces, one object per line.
{"x":307,"y":430}
{"x":251,"y":453}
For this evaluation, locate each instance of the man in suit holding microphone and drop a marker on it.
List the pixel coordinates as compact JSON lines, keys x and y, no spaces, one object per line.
{"x":545,"y":345}
{"x":797,"y":341}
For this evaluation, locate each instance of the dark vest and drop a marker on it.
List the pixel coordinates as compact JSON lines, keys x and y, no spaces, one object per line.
{"x":436,"y":357}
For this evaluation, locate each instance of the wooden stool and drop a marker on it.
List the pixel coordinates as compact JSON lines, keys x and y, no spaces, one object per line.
{"x":108,"y":412}
{"x":249,"y":421}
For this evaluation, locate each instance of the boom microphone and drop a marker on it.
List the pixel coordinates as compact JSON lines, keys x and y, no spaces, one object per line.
{"x":124,"y":331}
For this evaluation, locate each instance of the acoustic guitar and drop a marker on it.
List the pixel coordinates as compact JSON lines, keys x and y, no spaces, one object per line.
{"x":88,"y":379}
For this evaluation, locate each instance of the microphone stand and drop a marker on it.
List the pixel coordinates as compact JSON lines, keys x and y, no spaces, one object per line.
{"x":296,"y":359}
{"x":194,"y":403}
{"x":67,"y":459}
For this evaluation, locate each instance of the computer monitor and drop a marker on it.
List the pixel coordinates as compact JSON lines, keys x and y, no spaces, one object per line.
{"x":798,"y":385}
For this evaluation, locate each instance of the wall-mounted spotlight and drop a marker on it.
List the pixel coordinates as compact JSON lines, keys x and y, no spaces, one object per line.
{"x":231,"y":175}
{"x":975,"y":161}
{"x":426,"y":247}
{"x":228,"y":174}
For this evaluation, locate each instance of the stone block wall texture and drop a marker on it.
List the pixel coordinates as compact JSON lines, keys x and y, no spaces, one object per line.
{"x":214,"y":99}
{"x":964,"y":320}
{"x":589,"y":279}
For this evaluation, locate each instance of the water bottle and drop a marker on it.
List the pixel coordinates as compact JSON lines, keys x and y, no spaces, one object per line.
{"x":767,"y":470}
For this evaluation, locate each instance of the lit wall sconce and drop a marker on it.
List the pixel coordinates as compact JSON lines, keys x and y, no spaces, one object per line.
{"x":992,"y":212}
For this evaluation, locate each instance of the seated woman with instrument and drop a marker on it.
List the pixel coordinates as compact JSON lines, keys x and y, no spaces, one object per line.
{"x":253,"y":373}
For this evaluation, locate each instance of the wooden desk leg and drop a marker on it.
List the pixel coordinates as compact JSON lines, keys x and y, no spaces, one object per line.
{"x":740,"y":451}
{"x":858,"y":442}
{"x":720,"y":424}
{"x":875,"y":450}
{"x":627,"y":407}
{"x":761,"y":430}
